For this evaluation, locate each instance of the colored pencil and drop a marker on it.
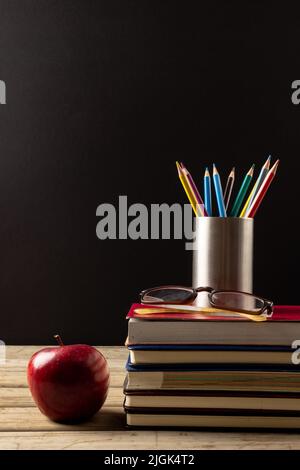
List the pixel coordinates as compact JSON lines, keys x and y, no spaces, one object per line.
{"x":242,"y":214}
{"x":207,"y":193}
{"x":262,"y":191}
{"x":228,"y":187}
{"x":219,"y":192}
{"x":263,"y":173}
{"x":194,"y":189}
{"x":187,"y":189}
{"x":242,"y":193}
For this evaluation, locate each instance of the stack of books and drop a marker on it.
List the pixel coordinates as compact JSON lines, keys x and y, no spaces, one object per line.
{"x":219,"y":371}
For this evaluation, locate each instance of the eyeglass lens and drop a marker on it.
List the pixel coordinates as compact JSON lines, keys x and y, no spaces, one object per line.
{"x":168,"y":295}
{"x":237,"y":300}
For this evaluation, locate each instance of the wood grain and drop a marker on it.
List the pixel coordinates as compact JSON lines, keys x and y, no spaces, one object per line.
{"x":22,"y":426}
{"x":147,"y":440}
{"x":23,"y":353}
{"x":30,"y":418}
{"x":20,"y":397}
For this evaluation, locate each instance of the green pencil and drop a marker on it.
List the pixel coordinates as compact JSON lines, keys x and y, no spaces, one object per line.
{"x":242,"y":193}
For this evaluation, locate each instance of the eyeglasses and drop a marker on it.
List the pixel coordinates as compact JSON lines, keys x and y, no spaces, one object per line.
{"x":236,"y":301}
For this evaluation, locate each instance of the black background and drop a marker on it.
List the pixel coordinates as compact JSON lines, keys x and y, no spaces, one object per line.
{"x":102,"y":98}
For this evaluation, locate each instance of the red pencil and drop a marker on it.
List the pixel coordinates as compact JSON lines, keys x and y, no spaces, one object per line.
{"x":262,"y":191}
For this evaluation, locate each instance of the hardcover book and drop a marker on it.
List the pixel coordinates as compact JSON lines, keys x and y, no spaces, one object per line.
{"x":191,"y":328}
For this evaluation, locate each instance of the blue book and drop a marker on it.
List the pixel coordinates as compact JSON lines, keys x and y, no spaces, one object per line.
{"x":187,"y":355}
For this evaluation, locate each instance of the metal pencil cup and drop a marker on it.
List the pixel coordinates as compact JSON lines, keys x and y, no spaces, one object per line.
{"x":223,"y":255}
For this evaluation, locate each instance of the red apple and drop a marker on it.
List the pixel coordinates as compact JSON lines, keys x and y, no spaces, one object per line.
{"x":68,"y":383}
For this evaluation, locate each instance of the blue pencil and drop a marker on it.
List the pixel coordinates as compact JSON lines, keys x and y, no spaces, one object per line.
{"x":219,"y":193}
{"x":207,"y":193}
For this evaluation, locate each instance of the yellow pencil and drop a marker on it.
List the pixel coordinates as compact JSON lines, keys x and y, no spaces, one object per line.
{"x":188,"y":190}
{"x":247,"y":202}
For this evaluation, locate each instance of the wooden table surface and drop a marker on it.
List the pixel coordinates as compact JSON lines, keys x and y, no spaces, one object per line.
{"x":22,"y":426}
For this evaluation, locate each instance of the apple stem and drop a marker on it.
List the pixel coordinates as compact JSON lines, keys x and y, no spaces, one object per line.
{"x":58,"y":339}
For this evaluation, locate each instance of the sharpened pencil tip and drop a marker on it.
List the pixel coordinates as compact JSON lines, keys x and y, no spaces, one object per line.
{"x":275,"y":166}
{"x":178,"y":167}
{"x":251,"y":171}
{"x":267,"y":163}
{"x":206,"y":172}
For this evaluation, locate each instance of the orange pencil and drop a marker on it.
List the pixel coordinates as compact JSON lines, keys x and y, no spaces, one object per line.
{"x":262,"y":191}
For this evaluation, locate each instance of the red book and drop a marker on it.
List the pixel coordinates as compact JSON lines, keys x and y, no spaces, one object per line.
{"x":290,"y":313}
{"x":281,"y":329}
